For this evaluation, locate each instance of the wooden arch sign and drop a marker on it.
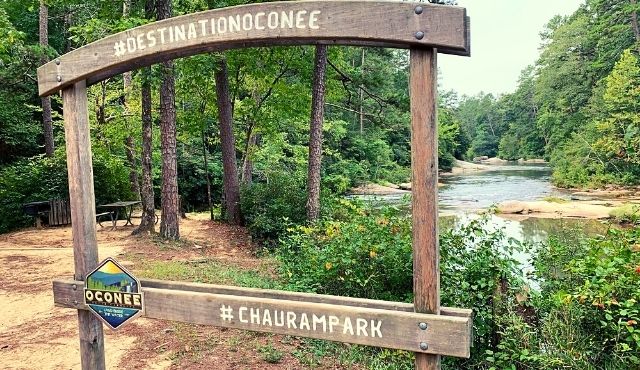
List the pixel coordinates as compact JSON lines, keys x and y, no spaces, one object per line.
{"x":422,"y":327}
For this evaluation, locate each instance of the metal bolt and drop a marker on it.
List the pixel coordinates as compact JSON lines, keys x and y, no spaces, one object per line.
{"x":419,"y":35}
{"x":75,"y":303}
{"x":75,"y":287}
{"x":59,"y":78}
{"x":423,"y":325}
{"x":424,"y":346}
{"x":57,"y":61}
{"x":418,"y":10}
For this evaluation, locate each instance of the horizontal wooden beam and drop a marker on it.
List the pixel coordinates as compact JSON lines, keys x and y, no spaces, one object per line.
{"x":351,"y":22}
{"x":243,"y":308}
{"x":295,"y":296}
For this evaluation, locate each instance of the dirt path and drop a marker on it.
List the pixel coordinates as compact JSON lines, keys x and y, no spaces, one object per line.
{"x":35,"y":334}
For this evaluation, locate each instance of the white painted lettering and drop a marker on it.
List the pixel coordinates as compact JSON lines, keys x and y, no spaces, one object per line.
{"x":88,"y":295}
{"x":275,"y":318}
{"x":375,"y":327}
{"x":191,"y":34}
{"x":234,"y":23}
{"x":179,"y":33}
{"x":117,"y":298}
{"x":304,"y":322}
{"x":347,"y":327}
{"x":266,"y":318}
{"x":213,"y":26}
{"x":287,"y":19}
{"x":131,"y":44}
{"x":257,"y":22}
{"x":222,"y":25}
{"x":127,"y":299}
{"x":361,"y":325}
{"x":272,"y":20}
{"x":151,"y":38}
{"x":136,"y":300}
{"x":108,"y":297}
{"x":300,"y":19}
{"x":255,"y":316}
{"x":140,"y":40}
{"x":203,"y":27}
{"x":319,"y":320}
{"x":241,"y":317}
{"x":291,"y":320}
{"x":161,"y":31}
{"x":333,"y":321}
{"x":247,"y":22}
{"x":313,"y":19}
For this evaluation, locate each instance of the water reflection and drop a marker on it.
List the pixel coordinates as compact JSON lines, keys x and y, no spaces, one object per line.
{"x":530,"y":230}
{"x":481,"y":190}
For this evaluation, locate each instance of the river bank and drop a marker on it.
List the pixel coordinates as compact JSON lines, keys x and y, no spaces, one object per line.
{"x":515,"y":191}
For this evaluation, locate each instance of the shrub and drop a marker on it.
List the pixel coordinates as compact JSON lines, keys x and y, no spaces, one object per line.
{"x":41,"y":178}
{"x":270,"y":207}
{"x":592,"y":307}
{"x":368,"y":254}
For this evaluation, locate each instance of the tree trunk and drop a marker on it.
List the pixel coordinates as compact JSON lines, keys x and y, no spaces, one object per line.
{"x":229,"y":164}
{"x":49,"y":145}
{"x":169,"y":227}
{"x":206,"y":171}
{"x":634,"y":22}
{"x":247,"y":163}
{"x":129,"y":146}
{"x":315,"y":134}
{"x":147,"y":222}
{"x":362,"y":95}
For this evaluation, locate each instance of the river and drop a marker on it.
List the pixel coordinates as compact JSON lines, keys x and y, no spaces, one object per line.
{"x":462,"y":197}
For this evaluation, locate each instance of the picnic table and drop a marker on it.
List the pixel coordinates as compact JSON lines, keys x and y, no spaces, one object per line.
{"x":126,"y":207}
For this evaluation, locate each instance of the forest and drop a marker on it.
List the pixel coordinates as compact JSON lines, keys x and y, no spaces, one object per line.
{"x":576,"y":106}
{"x":273,"y":139}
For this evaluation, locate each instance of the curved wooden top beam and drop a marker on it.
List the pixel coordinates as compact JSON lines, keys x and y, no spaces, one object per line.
{"x":355,"y":22}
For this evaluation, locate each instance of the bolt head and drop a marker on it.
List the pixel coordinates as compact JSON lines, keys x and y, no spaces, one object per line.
{"x":75,"y":287}
{"x":419,"y":35}
{"x":59,"y":78}
{"x":57,"y":61}
{"x":418,"y":10}
{"x":423,"y":325}
{"x":75,"y":303}
{"x":424,"y":346}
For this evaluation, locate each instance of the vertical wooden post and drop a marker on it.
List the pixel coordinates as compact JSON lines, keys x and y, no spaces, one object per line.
{"x":83,"y":214}
{"x":424,"y":167}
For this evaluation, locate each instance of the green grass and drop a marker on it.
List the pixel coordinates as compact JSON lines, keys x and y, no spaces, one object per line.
{"x":270,"y":354}
{"x":628,"y":212}
{"x":552,"y":199}
{"x":207,"y":271}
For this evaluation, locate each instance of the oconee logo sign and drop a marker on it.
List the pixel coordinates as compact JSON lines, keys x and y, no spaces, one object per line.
{"x":113,"y":293}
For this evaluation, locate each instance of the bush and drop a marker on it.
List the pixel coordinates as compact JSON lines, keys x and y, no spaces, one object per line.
{"x":365,"y":256}
{"x":367,"y":253}
{"x":592,"y":287}
{"x":270,"y":207}
{"x":41,"y":178}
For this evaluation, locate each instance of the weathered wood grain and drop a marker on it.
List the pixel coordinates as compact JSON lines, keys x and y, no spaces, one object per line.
{"x":364,"y":23}
{"x":424,"y":165}
{"x":83,"y":214}
{"x":449,"y":335}
{"x":294,"y":296}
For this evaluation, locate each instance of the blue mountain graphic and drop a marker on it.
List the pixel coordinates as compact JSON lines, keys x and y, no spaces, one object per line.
{"x":109,"y":279}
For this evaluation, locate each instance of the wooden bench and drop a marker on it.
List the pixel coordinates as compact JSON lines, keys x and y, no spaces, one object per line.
{"x":100,"y":215}
{"x":59,"y":212}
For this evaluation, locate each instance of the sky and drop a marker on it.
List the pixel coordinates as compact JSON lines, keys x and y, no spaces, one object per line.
{"x":505,"y":37}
